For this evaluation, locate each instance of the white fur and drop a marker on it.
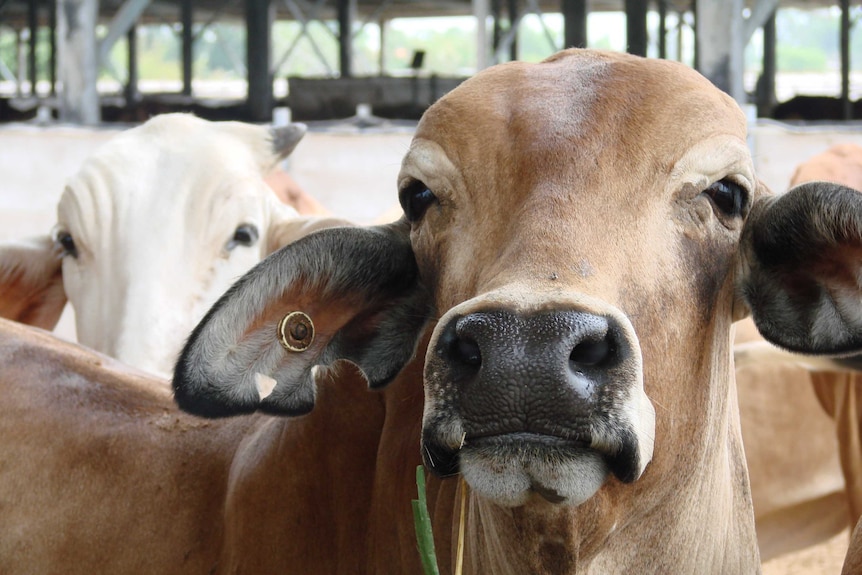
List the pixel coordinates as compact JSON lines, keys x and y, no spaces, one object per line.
{"x":151,"y":214}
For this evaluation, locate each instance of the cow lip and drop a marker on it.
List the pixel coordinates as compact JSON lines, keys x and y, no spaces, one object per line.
{"x":547,"y":440}
{"x":444,"y":460}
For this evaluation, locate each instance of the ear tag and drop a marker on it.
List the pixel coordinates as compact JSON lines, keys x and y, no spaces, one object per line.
{"x":295,"y":331}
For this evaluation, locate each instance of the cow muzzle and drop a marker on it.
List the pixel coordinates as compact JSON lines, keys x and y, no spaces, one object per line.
{"x":546,"y":401}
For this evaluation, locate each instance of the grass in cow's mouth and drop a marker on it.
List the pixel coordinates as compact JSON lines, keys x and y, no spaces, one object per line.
{"x":422,"y":522}
{"x":424,"y":534}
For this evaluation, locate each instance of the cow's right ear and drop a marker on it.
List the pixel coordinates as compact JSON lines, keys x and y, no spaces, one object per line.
{"x":801,"y":272}
{"x":340,"y":293}
{"x":31,"y":282}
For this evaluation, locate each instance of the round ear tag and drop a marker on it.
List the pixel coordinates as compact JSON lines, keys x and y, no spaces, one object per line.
{"x":295,"y":331}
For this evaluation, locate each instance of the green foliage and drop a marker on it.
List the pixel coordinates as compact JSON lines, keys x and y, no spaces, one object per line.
{"x":800,"y":59}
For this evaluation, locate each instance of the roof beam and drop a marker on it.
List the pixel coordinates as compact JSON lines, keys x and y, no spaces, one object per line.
{"x":123,"y":20}
{"x":760,"y":13}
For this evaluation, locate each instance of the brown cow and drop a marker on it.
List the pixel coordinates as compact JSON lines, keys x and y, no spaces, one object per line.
{"x":580,"y":235}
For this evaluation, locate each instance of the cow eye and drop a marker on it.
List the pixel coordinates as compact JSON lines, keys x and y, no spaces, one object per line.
{"x":67,"y":243}
{"x":728,"y":196}
{"x":245,"y":235}
{"x":415,"y":200}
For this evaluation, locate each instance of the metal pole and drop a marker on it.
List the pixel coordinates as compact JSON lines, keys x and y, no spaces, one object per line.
{"x":662,"y":29}
{"x":383,"y":24}
{"x":574,"y":23}
{"x":766,"y":84}
{"x":258,"y":60}
{"x":131,"y":90}
{"x":846,"y":104}
{"x":636,"y":28}
{"x":345,"y":37}
{"x":513,"y":20}
{"x":187,"y":16}
{"x":480,"y":13}
{"x":52,"y":39}
{"x":497,"y":30}
{"x":33,"y":24}
{"x":78,"y":61}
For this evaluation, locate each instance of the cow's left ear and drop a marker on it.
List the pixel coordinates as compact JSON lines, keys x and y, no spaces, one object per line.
{"x":801,"y":268}
{"x":344,"y":293}
{"x":31,"y":282}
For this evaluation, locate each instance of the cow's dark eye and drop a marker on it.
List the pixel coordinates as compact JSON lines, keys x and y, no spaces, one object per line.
{"x":415,"y":200}
{"x":67,"y":243}
{"x":245,"y":235}
{"x":728,"y":196}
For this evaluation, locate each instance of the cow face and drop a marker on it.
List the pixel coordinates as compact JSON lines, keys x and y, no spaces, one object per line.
{"x":155,"y":226}
{"x":578,"y":237}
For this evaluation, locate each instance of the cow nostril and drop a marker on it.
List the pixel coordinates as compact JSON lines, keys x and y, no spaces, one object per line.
{"x":589,"y":353}
{"x":466,"y":351}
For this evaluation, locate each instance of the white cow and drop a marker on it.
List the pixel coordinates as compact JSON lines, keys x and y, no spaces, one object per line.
{"x":153,"y":228}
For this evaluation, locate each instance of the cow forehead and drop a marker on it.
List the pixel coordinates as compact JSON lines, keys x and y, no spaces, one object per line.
{"x":581,"y":110}
{"x":172,"y":167}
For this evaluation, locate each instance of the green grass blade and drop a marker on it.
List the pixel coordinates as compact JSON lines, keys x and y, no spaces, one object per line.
{"x":422,"y":523}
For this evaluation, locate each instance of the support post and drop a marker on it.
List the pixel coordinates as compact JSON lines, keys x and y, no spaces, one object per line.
{"x":765,"y":91}
{"x":383,"y":24}
{"x":33,"y":25}
{"x":662,"y":29}
{"x":346,"y":9}
{"x":76,"y":28}
{"x":480,"y":13}
{"x":636,"y":27}
{"x":187,"y":17}
{"x":846,"y":104}
{"x":131,"y":88}
{"x":52,"y":40}
{"x":574,"y":23}
{"x":258,"y":60}
{"x":514,"y":19}
{"x":497,"y":29}
{"x":718,"y":36}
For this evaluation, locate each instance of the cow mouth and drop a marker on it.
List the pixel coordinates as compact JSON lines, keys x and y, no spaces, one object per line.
{"x":510,"y":468}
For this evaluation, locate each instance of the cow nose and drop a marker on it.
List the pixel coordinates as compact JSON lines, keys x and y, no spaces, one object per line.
{"x":530,"y":372}
{"x":591,"y":345}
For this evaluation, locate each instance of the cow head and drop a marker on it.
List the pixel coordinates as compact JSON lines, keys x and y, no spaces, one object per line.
{"x":153,"y":228}
{"x":579,"y":236}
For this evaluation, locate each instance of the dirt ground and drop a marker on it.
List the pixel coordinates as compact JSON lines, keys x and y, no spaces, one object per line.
{"x":823,"y":559}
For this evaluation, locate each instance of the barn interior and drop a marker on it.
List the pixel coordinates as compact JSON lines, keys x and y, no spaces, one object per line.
{"x":62,"y":47}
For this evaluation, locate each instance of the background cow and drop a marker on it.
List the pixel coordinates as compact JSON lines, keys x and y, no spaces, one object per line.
{"x":152,"y":229}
